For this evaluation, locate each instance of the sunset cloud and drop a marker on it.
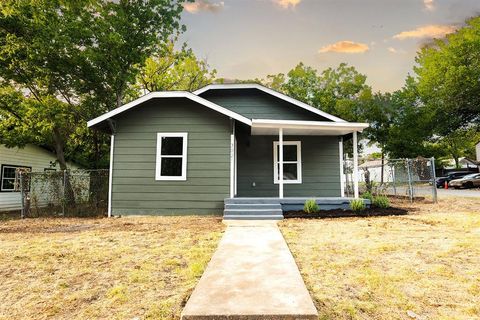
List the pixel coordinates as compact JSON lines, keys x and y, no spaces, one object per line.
{"x":203,"y":5}
{"x":431,"y":31}
{"x":345,"y":47}
{"x":285,"y":4}
{"x":429,"y":4}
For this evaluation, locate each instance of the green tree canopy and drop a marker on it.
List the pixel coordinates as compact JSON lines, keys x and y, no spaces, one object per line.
{"x":175,"y":70}
{"x":448,"y":74}
{"x":65,"y":62}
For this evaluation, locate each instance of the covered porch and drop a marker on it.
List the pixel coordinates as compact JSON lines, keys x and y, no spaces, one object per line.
{"x":280,"y":158}
{"x":278,"y":164}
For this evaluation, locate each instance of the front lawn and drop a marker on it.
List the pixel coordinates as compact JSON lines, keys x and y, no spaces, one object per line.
{"x":123,"y":268}
{"x":422,"y":266}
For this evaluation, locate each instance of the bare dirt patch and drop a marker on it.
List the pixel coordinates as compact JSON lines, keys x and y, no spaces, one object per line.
{"x":423,"y":265}
{"x":102,"y":268}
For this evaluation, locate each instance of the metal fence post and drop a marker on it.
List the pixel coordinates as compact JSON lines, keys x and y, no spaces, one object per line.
{"x":394,"y":179}
{"x":409,"y":175}
{"x":63,"y":197}
{"x":434,"y":180}
{"x":22,"y":214}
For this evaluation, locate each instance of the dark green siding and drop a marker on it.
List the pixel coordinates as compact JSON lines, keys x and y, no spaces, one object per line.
{"x":320,"y":167}
{"x":135,"y":190}
{"x":256,"y":104}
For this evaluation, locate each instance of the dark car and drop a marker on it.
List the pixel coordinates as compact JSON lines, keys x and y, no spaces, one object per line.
{"x":450,"y":176}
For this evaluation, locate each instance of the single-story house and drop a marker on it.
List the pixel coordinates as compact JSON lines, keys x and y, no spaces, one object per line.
{"x":32,"y":157}
{"x":241,"y":148}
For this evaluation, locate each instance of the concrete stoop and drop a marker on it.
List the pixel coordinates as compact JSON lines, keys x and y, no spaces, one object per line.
{"x":252,"y":275}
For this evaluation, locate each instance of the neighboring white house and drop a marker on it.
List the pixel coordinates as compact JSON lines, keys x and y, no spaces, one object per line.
{"x":33,"y":157}
{"x":477,"y":148}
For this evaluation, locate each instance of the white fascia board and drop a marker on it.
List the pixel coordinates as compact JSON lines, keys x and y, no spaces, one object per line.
{"x":271,"y":92}
{"x":295,"y":124}
{"x":170,"y":94}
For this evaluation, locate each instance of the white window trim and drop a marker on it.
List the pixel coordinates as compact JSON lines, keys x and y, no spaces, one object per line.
{"x":11,"y":166}
{"x":158,"y":165}
{"x":298,"y":162}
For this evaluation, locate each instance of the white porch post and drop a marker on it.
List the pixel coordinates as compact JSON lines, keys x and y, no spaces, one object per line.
{"x":355,"y":165}
{"x":232,"y":161}
{"x":280,"y":163}
{"x":340,"y":153}
{"x":110,"y":175}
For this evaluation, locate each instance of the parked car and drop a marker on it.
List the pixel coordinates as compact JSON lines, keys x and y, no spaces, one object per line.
{"x":449,"y":177}
{"x":468,"y":181}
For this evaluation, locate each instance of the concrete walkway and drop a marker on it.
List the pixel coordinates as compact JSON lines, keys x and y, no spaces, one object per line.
{"x":252,"y":275}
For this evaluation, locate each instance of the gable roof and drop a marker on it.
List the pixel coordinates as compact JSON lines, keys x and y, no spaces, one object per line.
{"x":169,"y":94}
{"x":270,"y":92}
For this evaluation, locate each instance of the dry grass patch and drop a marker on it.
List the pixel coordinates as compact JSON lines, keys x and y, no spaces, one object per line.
{"x":426,"y":263}
{"x":102,"y":268}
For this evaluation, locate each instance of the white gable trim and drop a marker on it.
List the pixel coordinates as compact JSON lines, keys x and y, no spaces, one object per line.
{"x":170,"y":94}
{"x":271,"y":92}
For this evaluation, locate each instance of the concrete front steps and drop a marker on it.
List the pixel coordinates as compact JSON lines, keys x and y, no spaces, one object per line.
{"x":252,"y":209}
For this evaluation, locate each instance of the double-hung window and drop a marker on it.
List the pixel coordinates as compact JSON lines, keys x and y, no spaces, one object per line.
{"x":9,"y":177}
{"x":171,"y":156}
{"x":292,"y":162}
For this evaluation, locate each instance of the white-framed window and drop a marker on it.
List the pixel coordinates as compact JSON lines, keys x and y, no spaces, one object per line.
{"x":9,"y":177}
{"x":292,"y":162}
{"x":171,"y":161}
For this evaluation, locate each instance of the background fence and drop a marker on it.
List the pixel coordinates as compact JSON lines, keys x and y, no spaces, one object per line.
{"x":64,"y":193}
{"x":412,"y":178}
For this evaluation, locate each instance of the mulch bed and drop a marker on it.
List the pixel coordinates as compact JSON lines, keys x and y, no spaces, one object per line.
{"x":370,"y":212}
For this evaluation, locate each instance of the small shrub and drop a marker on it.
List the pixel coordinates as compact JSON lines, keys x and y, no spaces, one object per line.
{"x":310,"y":206}
{"x":357,"y":205}
{"x":367,"y":195}
{"x":381,"y":202}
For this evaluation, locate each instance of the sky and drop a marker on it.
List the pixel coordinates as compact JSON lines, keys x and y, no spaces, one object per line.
{"x":246,"y":39}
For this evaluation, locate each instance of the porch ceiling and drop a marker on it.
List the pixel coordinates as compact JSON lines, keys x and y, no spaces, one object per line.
{"x":294,"y":127}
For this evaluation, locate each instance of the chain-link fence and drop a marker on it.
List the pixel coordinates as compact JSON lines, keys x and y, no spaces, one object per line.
{"x":411,"y":178}
{"x":75,"y":193}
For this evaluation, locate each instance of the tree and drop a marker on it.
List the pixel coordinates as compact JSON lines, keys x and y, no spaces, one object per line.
{"x":448,"y":71}
{"x":342,"y":91}
{"x":459,"y":143}
{"x":380,"y":113}
{"x":175,"y":70}
{"x":65,"y":62}
{"x":412,"y":124}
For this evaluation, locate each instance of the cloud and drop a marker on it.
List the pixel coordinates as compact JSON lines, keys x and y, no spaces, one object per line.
{"x":392,"y":50}
{"x":345,"y":47}
{"x":430,"y":31}
{"x":429,"y":4}
{"x":203,"y":5}
{"x":285,"y":4}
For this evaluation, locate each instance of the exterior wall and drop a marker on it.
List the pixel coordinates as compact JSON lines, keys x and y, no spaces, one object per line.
{"x":31,"y":156}
{"x":256,"y":104}
{"x":320,"y":167}
{"x":135,"y":190}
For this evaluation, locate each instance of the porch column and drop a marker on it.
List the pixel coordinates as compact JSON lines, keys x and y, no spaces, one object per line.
{"x":355,"y":165}
{"x":110,"y":176}
{"x":340,"y":153}
{"x":280,"y":163}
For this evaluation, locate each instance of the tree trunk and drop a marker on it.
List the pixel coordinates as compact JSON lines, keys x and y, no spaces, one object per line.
{"x":59,"y":150}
